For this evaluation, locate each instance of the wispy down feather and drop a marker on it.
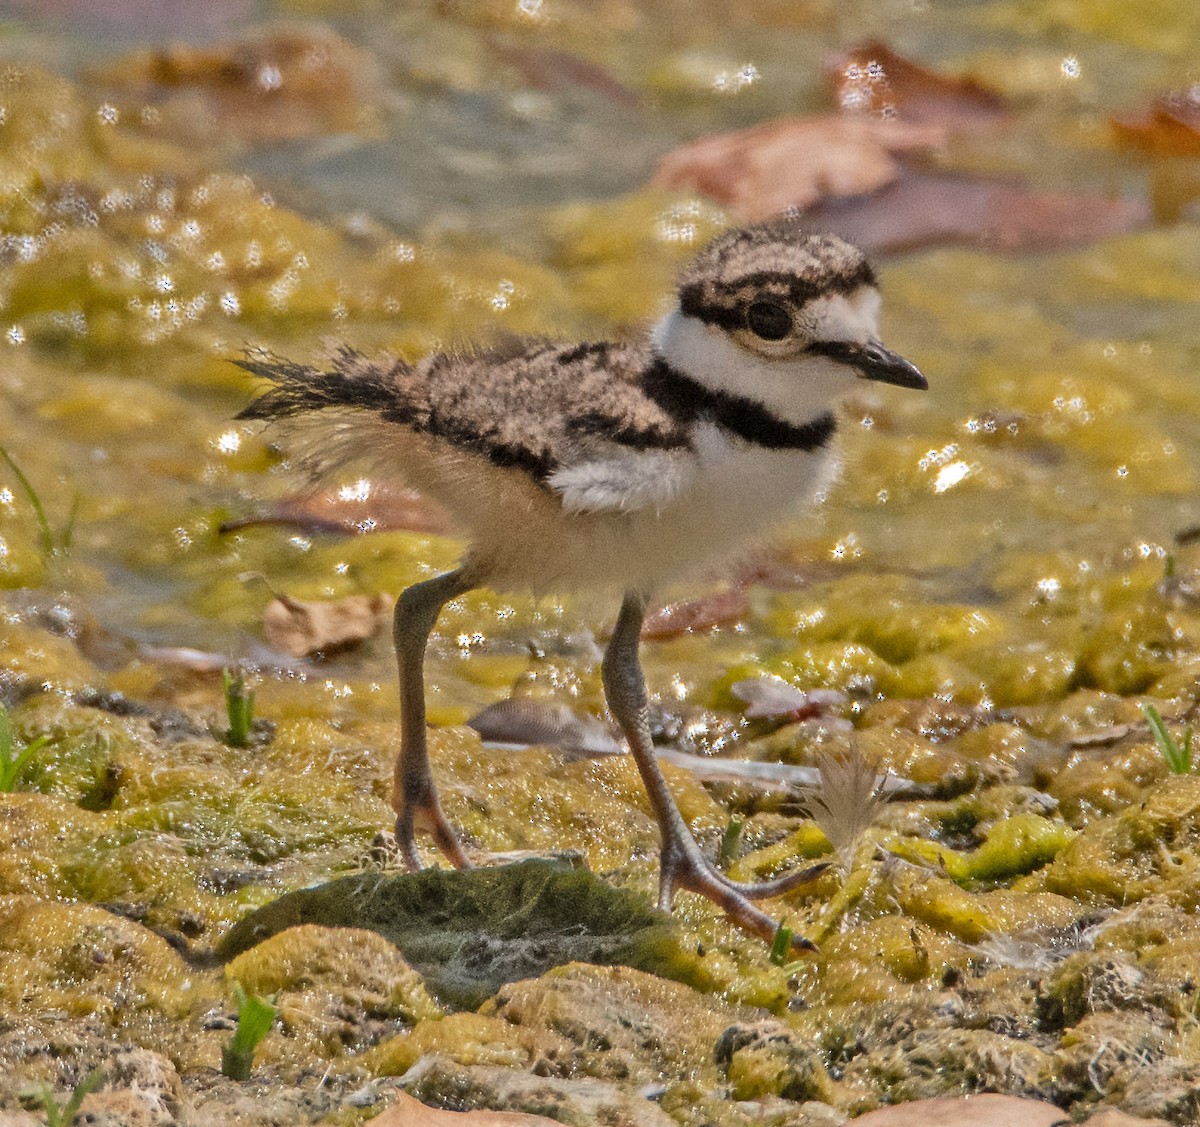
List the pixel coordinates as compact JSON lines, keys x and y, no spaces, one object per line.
{"x":846,"y":801}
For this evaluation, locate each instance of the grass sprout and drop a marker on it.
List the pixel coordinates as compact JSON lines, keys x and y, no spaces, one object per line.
{"x":12,"y":758}
{"x":64,"y":1116}
{"x":255,"y":1017}
{"x":1178,"y":755}
{"x":781,"y":946}
{"x":239,"y":707}
{"x":730,"y":840}
{"x":49,"y":545}
{"x":846,"y":802}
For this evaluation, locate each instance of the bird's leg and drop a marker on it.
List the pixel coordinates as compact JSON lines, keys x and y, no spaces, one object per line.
{"x":683,"y":865}
{"x":414,"y":796}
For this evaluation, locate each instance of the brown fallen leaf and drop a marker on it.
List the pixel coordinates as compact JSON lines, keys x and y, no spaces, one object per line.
{"x":689,"y":615}
{"x":407,"y":1112}
{"x":300,"y":628}
{"x":1170,"y":127}
{"x":381,"y":508}
{"x":794,"y":161}
{"x":874,"y":79}
{"x":303,"y":82}
{"x":921,"y":209}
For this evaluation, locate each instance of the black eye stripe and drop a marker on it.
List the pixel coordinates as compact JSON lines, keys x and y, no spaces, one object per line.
{"x":769,"y":320}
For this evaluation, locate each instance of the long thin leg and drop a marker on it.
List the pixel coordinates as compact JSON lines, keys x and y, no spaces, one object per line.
{"x":414,"y":795}
{"x":683,"y":865}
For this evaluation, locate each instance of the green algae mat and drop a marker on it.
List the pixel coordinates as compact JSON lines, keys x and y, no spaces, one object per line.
{"x":1005,"y":574}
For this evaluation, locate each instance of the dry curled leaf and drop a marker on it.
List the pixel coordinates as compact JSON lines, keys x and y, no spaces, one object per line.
{"x":794,"y":161}
{"x":1170,"y":127}
{"x":407,"y":1112}
{"x":300,"y":628}
{"x":874,"y":79}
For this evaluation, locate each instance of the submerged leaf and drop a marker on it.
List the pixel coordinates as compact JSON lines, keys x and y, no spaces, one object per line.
{"x":689,"y":615}
{"x":367,"y":506}
{"x":794,"y":161}
{"x":304,"y":82}
{"x":872,"y":78}
{"x":1170,"y":127}
{"x":921,"y":209}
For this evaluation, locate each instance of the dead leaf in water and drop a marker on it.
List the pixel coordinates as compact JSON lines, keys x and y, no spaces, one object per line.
{"x":299,"y":628}
{"x":927,"y":208}
{"x":1170,"y":127}
{"x":380,"y":508}
{"x":304,"y":82}
{"x":689,"y":615}
{"x":794,"y":161}
{"x":874,"y":79}
{"x":855,"y":173}
{"x":407,"y":1112}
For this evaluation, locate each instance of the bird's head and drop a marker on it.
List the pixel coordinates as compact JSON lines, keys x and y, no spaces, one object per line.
{"x":789,"y":319}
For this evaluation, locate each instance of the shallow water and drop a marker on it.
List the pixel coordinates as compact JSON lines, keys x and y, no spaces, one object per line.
{"x":412,"y":177}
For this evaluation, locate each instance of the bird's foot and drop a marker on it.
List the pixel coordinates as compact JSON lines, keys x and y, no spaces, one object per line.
{"x":688,"y":869}
{"x":427,"y":816}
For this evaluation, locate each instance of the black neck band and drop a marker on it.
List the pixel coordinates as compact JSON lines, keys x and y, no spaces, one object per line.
{"x":689,"y":401}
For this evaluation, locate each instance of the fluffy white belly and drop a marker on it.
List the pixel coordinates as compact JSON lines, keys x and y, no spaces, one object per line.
{"x":733,"y":496}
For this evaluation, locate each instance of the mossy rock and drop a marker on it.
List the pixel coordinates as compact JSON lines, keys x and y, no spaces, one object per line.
{"x":468,"y":933}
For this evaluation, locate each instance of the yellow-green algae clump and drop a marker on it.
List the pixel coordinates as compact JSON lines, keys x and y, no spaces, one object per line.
{"x":1029,"y":928}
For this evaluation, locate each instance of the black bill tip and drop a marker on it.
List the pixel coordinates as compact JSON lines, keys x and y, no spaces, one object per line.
{"x":879,"y":363}
{"x":874,"y":362}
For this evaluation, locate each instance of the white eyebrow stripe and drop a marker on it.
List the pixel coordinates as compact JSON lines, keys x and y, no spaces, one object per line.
{"x":850,"y":317}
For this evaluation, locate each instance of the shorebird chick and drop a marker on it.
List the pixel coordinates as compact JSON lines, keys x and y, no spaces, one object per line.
{"x":617,"y":466}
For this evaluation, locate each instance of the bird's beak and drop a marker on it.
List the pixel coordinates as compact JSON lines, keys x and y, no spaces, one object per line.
{"x":874,"y":362}
{"x":878,"y":363}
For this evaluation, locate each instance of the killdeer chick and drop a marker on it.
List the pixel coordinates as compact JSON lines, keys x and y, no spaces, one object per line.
{"x":609,"y":465}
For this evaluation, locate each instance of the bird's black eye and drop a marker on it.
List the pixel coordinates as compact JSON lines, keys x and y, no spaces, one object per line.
{"x":769,"y":320}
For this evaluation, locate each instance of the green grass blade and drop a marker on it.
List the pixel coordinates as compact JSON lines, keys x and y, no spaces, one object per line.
{"x":34,"y":500}
{"x":781,"y":948}
{"x":255,"y":1017}
{"x":88,"y":1084}
{"x":11,"y":765}
{"x":239,"y":708}
{"x":10,"y":769}
{"x":730,"y":840}
{"x":1179,"y":759}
